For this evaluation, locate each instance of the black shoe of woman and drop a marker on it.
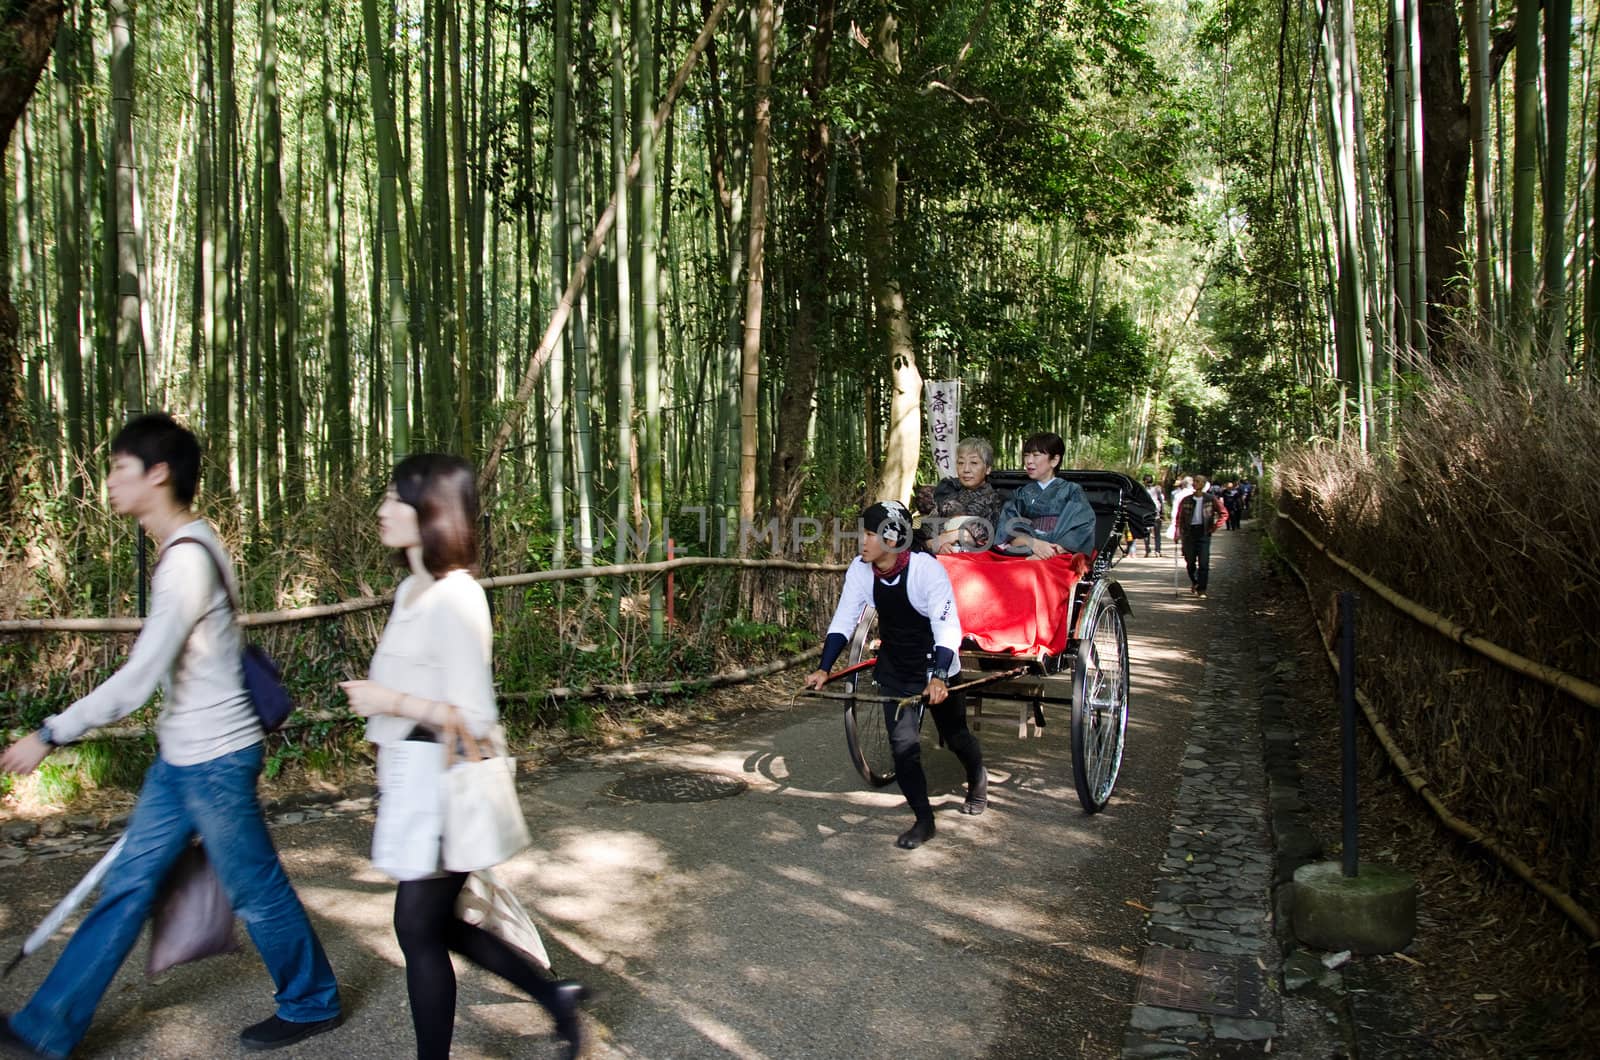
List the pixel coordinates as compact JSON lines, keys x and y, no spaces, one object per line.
{"x":569,"y":994}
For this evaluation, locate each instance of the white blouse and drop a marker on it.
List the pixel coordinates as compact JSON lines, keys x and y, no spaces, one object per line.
{"x":438,"y":645}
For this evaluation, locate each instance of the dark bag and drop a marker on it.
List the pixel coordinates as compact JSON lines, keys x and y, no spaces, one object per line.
{"x":193,"y":918}
{"x":262,"y":678}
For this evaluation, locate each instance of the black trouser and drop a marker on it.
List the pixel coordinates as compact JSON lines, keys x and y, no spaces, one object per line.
{"x":1197,"y":555}
{"x":905,"y":740}
{"x":426,"y":924}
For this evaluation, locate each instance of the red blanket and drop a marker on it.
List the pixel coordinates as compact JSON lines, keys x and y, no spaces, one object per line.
{"x":1015,"y":605}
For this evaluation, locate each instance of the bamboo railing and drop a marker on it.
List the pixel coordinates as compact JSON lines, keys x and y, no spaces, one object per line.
{"x":368,"y":603}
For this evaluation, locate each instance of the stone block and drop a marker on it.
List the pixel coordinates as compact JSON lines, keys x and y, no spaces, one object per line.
{"x":1372,"y":912}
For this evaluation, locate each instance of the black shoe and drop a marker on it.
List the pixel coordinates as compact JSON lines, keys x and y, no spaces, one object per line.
{"x":11,"y":1043}
{"x":569,"y":993}
{"x":916,"y":835}
{"x":275,"y":1033}
{"x":977,"y":796}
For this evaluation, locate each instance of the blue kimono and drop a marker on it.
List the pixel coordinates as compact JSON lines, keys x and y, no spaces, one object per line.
{"x":1057,"y":510}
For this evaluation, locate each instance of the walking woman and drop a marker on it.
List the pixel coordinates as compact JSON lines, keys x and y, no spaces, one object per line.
{"x":433,"y":668}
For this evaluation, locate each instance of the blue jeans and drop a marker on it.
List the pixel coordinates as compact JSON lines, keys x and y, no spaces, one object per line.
{"x":216,"y":800}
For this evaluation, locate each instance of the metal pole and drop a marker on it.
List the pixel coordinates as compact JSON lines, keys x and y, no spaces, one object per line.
{"x":1347,"y":723}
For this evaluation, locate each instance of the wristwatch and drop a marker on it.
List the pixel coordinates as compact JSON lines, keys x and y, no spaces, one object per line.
{"x":46,"y":737}
{"x":940,"y":675}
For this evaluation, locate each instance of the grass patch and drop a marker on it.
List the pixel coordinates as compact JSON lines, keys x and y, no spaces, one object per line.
{"x":115,"y":763}
{"x":57,"y":783}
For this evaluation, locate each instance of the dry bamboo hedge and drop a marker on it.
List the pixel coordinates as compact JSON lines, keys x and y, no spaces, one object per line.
{"x":1509,"y":754}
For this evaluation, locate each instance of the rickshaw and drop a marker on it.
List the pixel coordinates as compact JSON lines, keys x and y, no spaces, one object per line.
{"x":1085,"y":610}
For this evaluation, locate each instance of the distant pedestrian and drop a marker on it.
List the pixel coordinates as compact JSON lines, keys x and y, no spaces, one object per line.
{"x":203,"y":781}
{"x":1233,"y":501}
{"x":1196,"y":518}
{"x":1157,"y":498}
{"x":433,"y":669}
{"x":1184,"y":488}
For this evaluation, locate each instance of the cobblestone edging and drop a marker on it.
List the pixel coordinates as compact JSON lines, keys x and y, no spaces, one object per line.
{"x":62,"y":837}
{"x":1212,"y":896}
{"x":1241,"y":828}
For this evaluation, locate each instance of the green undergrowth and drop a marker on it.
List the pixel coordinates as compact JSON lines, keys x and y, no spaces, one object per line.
{"x":547,"y":635}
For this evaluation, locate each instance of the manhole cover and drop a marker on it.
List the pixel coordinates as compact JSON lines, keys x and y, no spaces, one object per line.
{"x":685,"y":785}
{"x":1195,"y":981}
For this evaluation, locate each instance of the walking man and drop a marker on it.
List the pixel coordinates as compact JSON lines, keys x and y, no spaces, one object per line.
{"x":920,"y":636}
{"x":1196,"y":519}
{"x":203,"y":781}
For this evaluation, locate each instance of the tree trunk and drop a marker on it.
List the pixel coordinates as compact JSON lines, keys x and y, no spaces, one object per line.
{"x":750,"y":349}
{"x":1476,"y":16}
{"x":1525,"y":181}
{"x":1418,"y":335}
{"x":903,"y":443}
{"x":129,"y":344}
{"x":389,"y":218}
{"x":341,"y":439}
{"x":624,"y":292}
{"x":279,"y":323}
{"x":1400,"y":170}
{"x":69,"y":268}
{"x":809,"y":331}
{"x":465,"y":432}
{"x":649,"y":302}
{"x":27,"y":31}
{"x":1557,"y":50}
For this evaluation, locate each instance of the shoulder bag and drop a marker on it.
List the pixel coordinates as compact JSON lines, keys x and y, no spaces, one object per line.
{"x":489,"y":904}
{"x":483,"y":822}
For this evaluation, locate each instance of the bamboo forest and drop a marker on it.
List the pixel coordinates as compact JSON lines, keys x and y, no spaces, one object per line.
{"x":645,"y":258}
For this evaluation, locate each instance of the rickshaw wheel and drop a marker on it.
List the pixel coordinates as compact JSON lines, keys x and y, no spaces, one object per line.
{"x":1099,"y":705}
{"x":864,"y":731}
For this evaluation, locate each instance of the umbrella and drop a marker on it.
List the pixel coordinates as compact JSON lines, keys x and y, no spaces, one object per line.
{"x":65,"y":907}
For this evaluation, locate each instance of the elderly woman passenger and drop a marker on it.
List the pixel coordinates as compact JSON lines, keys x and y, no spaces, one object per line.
{"x":967,"y":506}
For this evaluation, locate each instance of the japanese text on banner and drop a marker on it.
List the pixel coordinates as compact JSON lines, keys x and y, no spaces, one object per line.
{"x":943,"y":397}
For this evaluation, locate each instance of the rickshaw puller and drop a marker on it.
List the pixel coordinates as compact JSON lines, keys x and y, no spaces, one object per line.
{"x":920,"y":639}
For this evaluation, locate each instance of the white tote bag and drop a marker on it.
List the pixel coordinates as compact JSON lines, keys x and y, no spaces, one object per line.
{"x":489,"y":904}
{"x":483,"y":822}
{"x":405,"y":843}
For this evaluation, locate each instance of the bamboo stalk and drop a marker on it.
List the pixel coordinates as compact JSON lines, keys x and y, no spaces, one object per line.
{"x":1579,"y":689}
{"x":368,"y":603}
{"x":1418,"y":783}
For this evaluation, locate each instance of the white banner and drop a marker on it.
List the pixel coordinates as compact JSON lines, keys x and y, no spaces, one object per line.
{"x":943,"y":399}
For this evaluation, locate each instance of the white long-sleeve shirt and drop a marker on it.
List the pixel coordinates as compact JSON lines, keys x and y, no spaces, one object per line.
{"x":438,"y":645}
{"x":189,"y":647}
{"x":928,"y":590}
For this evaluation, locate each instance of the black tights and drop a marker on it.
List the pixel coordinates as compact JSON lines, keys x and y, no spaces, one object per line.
{"x":905,"y":740}
{"x":426,"y":924}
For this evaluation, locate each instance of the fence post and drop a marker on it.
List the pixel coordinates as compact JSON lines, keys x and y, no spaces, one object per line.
{"x":1347,"y":724}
